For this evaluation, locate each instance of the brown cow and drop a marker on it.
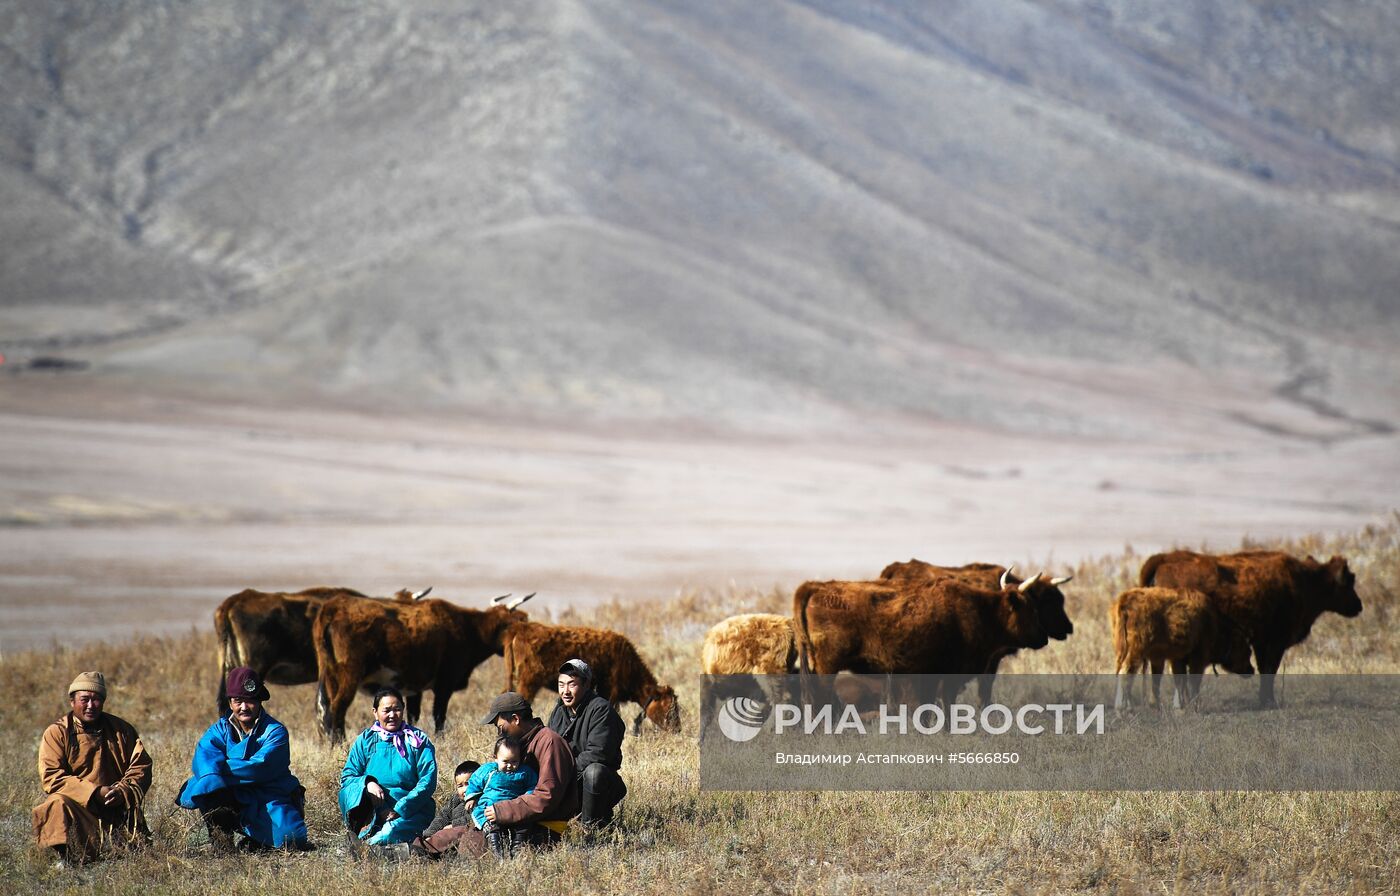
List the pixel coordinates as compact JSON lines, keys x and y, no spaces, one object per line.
{"x":1154,"y":626}
{"x":412,"y":646}
{"x":1274,"y":597}
{"x":940,"y":627}
{"x":270,"y":632}
{"x":748,"y":645}
{"x":1045,"y":596}
{"x":534,"y":653}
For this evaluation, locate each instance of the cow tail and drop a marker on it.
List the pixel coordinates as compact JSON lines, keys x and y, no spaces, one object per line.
{"x":324,"y":643}
{"x":800,"y":600}
{"x":227,"y":653}
{"x":1149,"y":570}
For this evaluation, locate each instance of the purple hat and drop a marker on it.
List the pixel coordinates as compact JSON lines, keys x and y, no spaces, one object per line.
{"x":244,"y":682}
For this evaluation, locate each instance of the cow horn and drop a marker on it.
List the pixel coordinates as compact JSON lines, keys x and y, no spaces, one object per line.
{"x":1028,"y":583}
{"x":1006,"y":575}
{"x":422,"y":594}
{"x":1060,"y":580}
{"x":520,"y":600}
{"x":498,"y":599}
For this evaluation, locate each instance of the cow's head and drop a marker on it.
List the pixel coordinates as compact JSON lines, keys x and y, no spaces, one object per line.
{"x":1232,"y":648}
{"x":403,"y":595}
{"x":1022,"y":620}
{"x":1340,"y":586}
{"x":658,"y":704}
{"x":1049,"y":602}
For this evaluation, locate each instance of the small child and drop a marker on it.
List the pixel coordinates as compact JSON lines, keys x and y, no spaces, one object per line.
{"x":455,"y":813}
{"x":505,"y":778}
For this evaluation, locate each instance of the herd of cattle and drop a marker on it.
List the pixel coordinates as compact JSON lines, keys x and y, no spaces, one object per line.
{"x":1190,"y":610}
{"x":346,"y":641}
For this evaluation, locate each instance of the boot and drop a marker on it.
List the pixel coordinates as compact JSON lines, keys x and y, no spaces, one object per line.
{"x":498,"y":840}
{"x":220,"y":839}
{"x":222,"y":822}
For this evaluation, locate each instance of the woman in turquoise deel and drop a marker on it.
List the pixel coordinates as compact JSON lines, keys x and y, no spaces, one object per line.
{"x":386,"y":787}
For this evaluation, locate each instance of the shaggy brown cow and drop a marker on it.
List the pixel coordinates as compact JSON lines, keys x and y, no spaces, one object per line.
{"x":1154,"y":626}
{"x":534,"y":653}
{"x":412,"y":646}
{"x":1274,"y":597}
{"x":270,"y":632}
{"x":940,"y":627}
{"x":748,"y":645}
{"x":1045,"y":596}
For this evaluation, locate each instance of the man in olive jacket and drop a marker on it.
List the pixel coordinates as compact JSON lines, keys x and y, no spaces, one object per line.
{"x":593,"y":730}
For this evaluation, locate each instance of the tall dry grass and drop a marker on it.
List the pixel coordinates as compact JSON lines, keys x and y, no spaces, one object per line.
{"x":673,"y":838}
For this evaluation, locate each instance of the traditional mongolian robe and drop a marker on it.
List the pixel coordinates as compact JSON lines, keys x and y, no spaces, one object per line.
{"x":255,"y":770}
{"x":74,"y":761}
{"x":404,"y":764}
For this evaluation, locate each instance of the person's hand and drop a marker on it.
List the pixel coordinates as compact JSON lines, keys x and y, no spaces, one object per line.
{"x":108,"y":795}
{"x":392,"y":816}
{"x":490,"y":813}
{"x":374,"y":790}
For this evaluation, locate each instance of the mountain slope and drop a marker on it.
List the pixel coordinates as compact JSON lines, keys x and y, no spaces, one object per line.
{"x":789,"y":215}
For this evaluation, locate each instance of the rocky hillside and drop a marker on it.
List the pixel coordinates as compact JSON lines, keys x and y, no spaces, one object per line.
{"x":1041,"y":214}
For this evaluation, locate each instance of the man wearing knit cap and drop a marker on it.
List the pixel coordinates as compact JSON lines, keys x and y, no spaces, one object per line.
{"x":96,"y":773}
{"x":593,"y":730}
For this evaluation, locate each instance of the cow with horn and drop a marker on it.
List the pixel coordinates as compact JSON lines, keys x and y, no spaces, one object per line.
{"x":270,"y":633}
{"x":1044,"y":595}
{"x":411,"y":646}
{"x":941,"y":627}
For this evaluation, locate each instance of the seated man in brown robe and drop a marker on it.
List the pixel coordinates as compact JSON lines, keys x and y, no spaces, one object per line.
{"x":96,"y":774}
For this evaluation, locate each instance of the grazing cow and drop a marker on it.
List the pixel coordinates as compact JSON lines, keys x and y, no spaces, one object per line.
{"x":270,"y":633}
{"x":1045,"y":596}
{"x":1274,"y":597}
{"x":748,"y":645}
{"x":1154,"y":626}
{"x":941,"y":627}
{"x":534,"y":653}
{"x":412,"y":646}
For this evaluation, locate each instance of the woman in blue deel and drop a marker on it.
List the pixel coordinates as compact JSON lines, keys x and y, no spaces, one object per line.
{"x":386,"y":787}
{"x":242,"y":782}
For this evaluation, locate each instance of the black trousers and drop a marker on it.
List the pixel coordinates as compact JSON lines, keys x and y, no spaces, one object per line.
{"x":221,"y":811}
{"x":601,"y":790}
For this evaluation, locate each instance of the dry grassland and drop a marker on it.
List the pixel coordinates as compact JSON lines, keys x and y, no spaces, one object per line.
{"x":675,"y":839}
